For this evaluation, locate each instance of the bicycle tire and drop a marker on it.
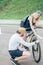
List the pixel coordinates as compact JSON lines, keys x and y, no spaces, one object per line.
{"x":33,"y":51}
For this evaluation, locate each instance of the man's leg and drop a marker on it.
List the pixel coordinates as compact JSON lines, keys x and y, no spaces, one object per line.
{"x":25,"y":55}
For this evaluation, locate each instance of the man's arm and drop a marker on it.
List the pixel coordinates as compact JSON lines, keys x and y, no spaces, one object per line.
{"x":20,"y":40}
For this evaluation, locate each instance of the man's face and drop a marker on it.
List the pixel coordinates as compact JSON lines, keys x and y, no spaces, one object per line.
{"x":22,"y":34}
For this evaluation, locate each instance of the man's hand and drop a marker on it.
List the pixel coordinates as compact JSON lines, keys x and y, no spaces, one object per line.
{"x":37,"y":41}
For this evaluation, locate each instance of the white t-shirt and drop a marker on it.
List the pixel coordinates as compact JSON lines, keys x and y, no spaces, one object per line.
{"x":15,"y":40}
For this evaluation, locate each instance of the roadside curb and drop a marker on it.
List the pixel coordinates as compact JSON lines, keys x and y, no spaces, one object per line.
{"x":15,"y":22}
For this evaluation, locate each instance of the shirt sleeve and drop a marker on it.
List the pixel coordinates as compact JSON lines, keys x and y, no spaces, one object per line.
{"x":20,"y":40}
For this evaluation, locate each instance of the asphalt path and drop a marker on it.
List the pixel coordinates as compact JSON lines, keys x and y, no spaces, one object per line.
{"x":7,"y":32}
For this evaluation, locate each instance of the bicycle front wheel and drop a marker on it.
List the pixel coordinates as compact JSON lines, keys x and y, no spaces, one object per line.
{"x":36,"y":50}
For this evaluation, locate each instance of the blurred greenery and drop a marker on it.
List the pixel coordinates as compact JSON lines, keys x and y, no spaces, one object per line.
{"x":4,"y":3}
{"x":17,"y":9}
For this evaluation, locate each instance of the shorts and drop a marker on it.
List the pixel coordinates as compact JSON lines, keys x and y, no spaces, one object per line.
{"x":15,"y":53}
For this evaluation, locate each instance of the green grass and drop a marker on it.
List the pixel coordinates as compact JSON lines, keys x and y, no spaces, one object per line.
{"x":17,"y":9}
{"x":3,"y":3}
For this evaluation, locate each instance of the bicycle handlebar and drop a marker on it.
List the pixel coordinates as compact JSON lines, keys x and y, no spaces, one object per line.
{"x":32,"y":33}
{"x":39,"y":37}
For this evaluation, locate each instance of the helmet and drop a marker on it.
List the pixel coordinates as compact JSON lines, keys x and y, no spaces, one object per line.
{"x":21,"y":30}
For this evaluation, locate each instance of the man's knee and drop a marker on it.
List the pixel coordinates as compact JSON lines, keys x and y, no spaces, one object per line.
{"x":26,"y":53}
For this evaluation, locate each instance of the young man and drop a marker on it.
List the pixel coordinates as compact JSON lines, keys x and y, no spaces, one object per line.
{"x":14,"y":43}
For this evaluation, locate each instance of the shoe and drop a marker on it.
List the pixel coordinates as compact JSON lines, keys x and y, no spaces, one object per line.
{"x":15,"y":62}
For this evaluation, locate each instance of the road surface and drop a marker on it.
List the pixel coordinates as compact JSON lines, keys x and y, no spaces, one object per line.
{"x":7,"y":32}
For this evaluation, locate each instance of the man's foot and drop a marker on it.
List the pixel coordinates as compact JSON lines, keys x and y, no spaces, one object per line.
{"x":15,"y":62}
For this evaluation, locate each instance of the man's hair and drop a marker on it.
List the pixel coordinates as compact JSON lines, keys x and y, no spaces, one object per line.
{"x":21,"y":30}
{"x":18,"y":32}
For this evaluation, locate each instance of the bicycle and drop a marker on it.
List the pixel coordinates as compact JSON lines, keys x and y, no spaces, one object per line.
{"x":36,"y":48}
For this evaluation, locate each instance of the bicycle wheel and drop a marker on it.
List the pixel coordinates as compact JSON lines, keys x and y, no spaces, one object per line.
{"x":36,"y":50}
